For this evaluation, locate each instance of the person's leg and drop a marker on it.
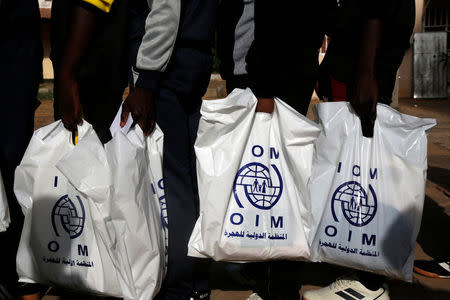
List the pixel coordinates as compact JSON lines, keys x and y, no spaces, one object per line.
{"x":275,"y":280}
{"x":283,"y":276}
{"x":177,"y":114}
{"x":174,"y":122}
{"x":20,"y":60}
{"x":371,"y":281}
{"x":283,"y":283}
{"x":201,"y":266}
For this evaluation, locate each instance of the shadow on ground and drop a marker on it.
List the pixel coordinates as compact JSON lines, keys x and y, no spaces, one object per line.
{"x":435,"y":228}
{"x":440,"y":176}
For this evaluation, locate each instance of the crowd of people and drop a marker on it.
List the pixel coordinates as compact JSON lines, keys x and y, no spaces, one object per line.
{"x":161,"y":49}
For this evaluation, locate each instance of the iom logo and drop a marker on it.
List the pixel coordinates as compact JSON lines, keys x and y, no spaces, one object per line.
{"x":162,"y":202}
{"x":356,"y":205}
{"x":68,"y":216}
{"x":254,"y":183}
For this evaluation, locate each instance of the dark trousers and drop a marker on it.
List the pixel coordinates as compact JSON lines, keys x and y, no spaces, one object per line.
{"x":20,"y":70}
{"x":178,"y":102}
{"x":178,"y":114}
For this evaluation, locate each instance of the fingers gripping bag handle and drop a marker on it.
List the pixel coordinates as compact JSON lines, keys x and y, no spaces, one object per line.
{"x":115,"y":125}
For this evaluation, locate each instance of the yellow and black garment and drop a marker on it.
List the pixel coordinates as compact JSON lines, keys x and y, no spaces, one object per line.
{"x":103,"y":5}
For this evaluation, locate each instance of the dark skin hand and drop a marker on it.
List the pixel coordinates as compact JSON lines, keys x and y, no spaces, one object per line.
{"x":141,"y":105}
{"x":364,"y":97}
{"x":69,"y":103}
{"x":83,"y":23}
{"x":364,"y":101}
{"x":265,"y":105}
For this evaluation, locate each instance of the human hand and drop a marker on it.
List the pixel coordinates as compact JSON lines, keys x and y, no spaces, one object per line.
{"x":69,"y":102}
{"x":364,"y":101}
{"x":265,"y":105}
{"x":141,"y":105}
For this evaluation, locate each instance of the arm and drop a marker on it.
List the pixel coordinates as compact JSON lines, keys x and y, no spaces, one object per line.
{"x":260,"y":57}
{"x":161,"y":29}
{"x":365,"y":96}
{"x":83,"y":23}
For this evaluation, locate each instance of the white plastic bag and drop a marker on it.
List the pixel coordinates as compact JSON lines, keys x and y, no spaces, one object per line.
{"x":4,"y":209}
{"x":367,"y":193}
{"x":135,"y":211}
{"x":61,"y":243}
{"x":155,"y":145}
{"x":252,"y":171}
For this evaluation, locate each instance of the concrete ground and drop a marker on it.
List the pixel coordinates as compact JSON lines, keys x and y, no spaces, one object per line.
{"x":434,"y":237}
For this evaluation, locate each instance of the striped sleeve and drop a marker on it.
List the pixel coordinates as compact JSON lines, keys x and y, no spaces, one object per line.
{"x":103,"y":5}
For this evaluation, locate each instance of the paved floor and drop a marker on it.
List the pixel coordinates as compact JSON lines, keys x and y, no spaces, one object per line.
{"x":434,"y":238}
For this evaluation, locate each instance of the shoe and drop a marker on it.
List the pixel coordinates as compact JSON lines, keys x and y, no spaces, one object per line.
{"x":254,"y":296}
{"x":433,"y":268}
{"x":346,"y":288}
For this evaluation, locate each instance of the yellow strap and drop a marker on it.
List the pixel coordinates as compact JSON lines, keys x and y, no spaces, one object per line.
{"x":75,"y":137}
{"x":104,"y":5}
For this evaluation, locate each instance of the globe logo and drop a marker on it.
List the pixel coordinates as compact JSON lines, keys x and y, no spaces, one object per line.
{"x":65,"y":215}
{"x":254,"y":183}
{"x":356,"y":206}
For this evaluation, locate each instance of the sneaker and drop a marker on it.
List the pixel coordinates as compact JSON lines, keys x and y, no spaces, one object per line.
{"x":433,"y":268}
{"x":254,"y":296}
{"x":347,"y":289}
